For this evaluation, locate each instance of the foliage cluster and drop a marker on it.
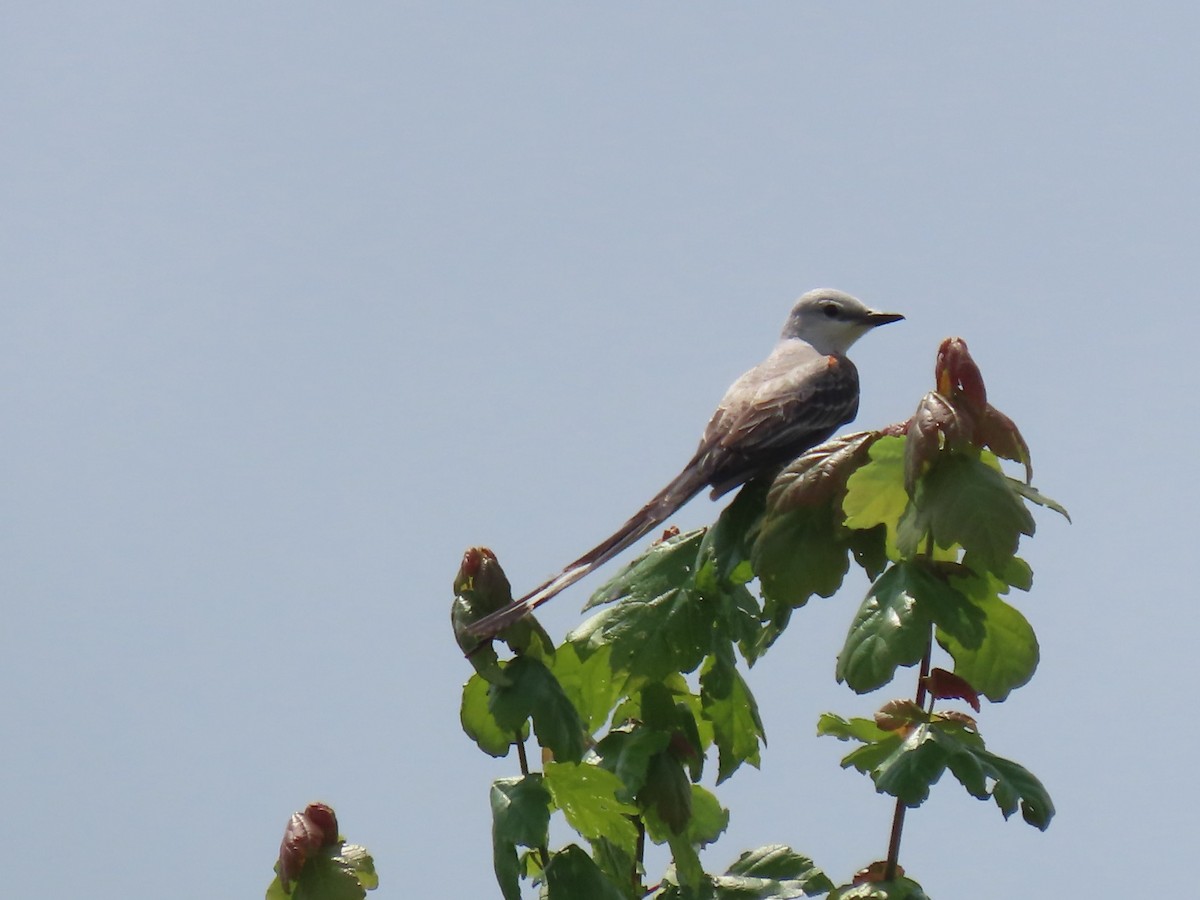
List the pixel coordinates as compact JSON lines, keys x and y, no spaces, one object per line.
{"x":629,"y":708}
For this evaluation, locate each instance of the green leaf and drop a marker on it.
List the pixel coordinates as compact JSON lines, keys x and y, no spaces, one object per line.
{"x":1013,"y":785}
{"x":893,"y":624}
{"x":964,"y":501}
{"x":1008,"y":655}
{"x":773,"y":872}
{"x":735,"y":611}
{"x":481,"y":655}
{"x":588,"y":797}
{"x":724,"y":568}
{"x":727,"y":543}
{"x":696,"y":729}
{"x":802,"y":548}
{"x":935,"y":589}
{"x":686,"y":868}
{"x":869,"y":757}
{"x":479,"y":723}
{"x":534,"y":693}
{"x":520,"y":816}
{"x":729,"y":705}
{"x":709,"y":819}
{"x":912,"y":768}
{"x":661,"y":626}
{"x":572,"y":875}
{"x":878,"y":744}
{"x":339,"y":871}
{"x":1016,"y":574}
{"x":660,"y":711}
{"x":870,"y":549}
{"x":900,"y":889}
{"x":666,"y":798}
{"x":627,"y":751}
{"x":659,"y":570}
{"x":587,"y":683}
{"x":901,"y":764}
{"x":521,"y":810}
{"x":875,"y":494}
{"x":685,"y":878}
{"x":891,"y":629}
{"x":798,"y":554}
{"x":616,"y":863}
{"x":856,"y":729}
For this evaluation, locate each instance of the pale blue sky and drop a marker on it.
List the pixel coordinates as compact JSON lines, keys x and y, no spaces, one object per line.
{"x":301,"y":300}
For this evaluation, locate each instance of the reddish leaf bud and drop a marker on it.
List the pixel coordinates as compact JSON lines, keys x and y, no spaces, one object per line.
{"x":306,"y":833}
{"x":957,"y":376}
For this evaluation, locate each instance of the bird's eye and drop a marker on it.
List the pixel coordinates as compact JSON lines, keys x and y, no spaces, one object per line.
{"x":830,"y":310}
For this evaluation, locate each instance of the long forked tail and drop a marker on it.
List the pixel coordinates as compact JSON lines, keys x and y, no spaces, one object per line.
{"x":661,"y":506}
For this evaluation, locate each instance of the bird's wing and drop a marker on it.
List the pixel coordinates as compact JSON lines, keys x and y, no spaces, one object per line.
{"x":791,"y":402}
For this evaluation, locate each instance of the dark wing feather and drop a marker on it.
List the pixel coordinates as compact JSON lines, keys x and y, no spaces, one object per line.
{"x":772,"y":422}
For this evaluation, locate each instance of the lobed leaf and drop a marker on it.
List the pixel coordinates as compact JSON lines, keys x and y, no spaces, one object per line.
{"x":586,"y":683}
{"x":521,"y":810}
{"x":891,"y":629}
{"x":520,"y":816}
{"x":339,"y":871}
{"x":798,"y":554}
{"x":913,"y":767}
{"x":480,"y":724}
{"x":627,"y":751}
{"x":819,"y":476}
{"x":801,"y":547}
{"x":1009,"y":784}
{"x":663,"y":568}
{"x":535,"y":694}
{"x":773,"y":872}
{"x":666,"y":797}
{"x":856,"y":729}
{"x":899,"y":889}
{"x":875,"y":493}
{"x":662,"y":626}
{"x":1007,"y":656}
{"x":709,"y":819}
{"x":572,"y":874}
{"x":964,"y":501}
{"x":588,"y":796}
{"x":733,"y":712}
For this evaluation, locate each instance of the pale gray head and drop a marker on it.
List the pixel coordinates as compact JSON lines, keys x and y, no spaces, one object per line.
{"x":832,"y":320}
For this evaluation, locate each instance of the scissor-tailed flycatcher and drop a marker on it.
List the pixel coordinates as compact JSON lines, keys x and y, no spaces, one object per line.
{"x":788,"y":403}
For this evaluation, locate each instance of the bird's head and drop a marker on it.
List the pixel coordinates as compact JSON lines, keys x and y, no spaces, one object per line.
{"x":832,"y":320}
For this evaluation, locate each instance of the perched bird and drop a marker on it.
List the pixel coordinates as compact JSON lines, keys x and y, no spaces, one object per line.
{"x":791,"y":401}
